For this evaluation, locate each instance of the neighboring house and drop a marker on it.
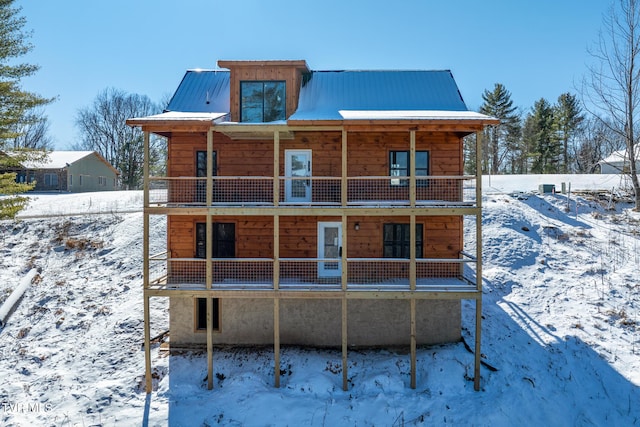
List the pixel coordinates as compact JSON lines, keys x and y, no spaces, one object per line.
{"x":68,"y":171}
{"x":315,"y":208}
{"x":617,"y":162}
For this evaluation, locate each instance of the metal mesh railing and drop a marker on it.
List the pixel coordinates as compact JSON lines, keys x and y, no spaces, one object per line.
{"x":243,"y":273}
{"x":313,"y":191}
{"x":309,"y":273}
{"x":313,"y":274}
{"x":429,"y":189}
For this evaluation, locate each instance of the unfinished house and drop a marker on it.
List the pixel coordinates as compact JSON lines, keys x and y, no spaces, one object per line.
{"x":314,"y":208}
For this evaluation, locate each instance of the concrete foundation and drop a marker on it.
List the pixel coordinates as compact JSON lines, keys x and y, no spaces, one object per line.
{"x":318,"y":322}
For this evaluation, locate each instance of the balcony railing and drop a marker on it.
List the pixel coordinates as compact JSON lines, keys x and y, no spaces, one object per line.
{"x":313,"y":191}
{"x":313,"y":274}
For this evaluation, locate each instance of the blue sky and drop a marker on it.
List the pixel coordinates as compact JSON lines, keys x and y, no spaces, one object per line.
{"x":536,"y":48}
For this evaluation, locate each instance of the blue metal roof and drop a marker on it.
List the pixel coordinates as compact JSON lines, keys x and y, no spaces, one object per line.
{"x":325,"y":93}
{"x":203,"y":91}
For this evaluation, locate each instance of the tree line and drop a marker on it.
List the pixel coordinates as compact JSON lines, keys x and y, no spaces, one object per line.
{"x":568,"y":135}
{"x":554,"y":137}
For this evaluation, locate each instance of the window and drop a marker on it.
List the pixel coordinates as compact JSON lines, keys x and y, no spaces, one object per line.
{"x":201,"y":172}
{"x":201,"y":164}
{"x":102,"y":181}
{"x":396,"y":241}
{"x":262,"y":101}
{"x":201,"y":314}
{"x":80,"y":181}
{"x":399,"y":166}
{"x":70,"y":180}
{"x":224,"y":240}
{"x":50,"y":179}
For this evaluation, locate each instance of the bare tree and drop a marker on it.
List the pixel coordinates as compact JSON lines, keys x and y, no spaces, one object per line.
{"x":103,"y":129}
{"x":613,"y":84}
{"x":32,"y":132}
{"x":595,"y":141}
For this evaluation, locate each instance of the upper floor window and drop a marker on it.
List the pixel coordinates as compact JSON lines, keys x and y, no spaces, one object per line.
{"x":262,"y":101}
{"x":399,"y":166}
{"x":201,"y":164}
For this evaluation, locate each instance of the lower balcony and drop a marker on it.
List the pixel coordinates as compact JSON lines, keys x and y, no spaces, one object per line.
{"x":438,"y":191}
{"x":314,"y":275}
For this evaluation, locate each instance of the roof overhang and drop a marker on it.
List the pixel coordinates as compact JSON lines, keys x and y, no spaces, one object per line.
{"x":172,"y":121}
{"x":452,"y":121}
{"x":236,"y":130}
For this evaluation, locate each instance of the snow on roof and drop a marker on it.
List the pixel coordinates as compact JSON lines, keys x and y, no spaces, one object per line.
{"x":326,"y":95}
{"x":411,"y":115}
{"x":181,"y":116}
{"x":57,"y":159}
{"x":616,"y":157}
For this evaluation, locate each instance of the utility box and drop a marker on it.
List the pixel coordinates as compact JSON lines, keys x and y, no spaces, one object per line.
{"x":546,"y":188}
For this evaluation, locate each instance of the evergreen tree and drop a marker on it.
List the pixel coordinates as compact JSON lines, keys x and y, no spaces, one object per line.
{"x":15,"y":102}
{"x":498,"y":103}
{"x":568,"y":119}
{"x":543,"y":139}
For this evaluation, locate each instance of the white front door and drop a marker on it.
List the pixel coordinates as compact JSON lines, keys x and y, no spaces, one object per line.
{"x":330,"y":247}
{"x":297,"y":165}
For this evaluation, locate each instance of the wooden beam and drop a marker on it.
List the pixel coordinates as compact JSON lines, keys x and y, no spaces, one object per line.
{"x":412,"y":168}
{"x":276,"y":300}
{"x":344,"y":187}
{"x":147,"y":346}
{"x":276,"y":341}
{"x":276,"y":168}
{"x":145,"y":266}
{"x":209,"y":256}
{"x":344,"y":318}
{"x":313,"y":211}
{"x":412,"y":286}
{"x":345,"y":363}
{"x":412,"y":308}
{"x":314,"y":294}
{"x":478,"y":348}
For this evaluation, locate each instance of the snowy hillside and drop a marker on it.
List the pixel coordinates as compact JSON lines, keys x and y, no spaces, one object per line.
{"x":561,"y":326}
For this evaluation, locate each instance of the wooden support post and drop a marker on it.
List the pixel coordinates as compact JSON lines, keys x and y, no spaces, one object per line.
{"x":412,"y":253}
{"x":345,"y":362}
{"x":344,"y":183}
{"x":412,"y":301}
{"x":209,"y":255}
{"x":145,"y":266}
{"x":344,"y":280}
{"x":412,"y":168}
{"x":276,"y":341}
{"x":276,"y":168}
{"x":276,"y":300}
{"x":147,"y":345}
{"x":412,"y":305}
{"x":478,"y":351}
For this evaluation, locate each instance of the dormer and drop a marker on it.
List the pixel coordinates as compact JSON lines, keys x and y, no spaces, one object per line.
{"x":264,"y":91}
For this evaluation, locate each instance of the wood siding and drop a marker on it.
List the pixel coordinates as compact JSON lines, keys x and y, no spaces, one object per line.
{"x":368,"y":153}
{"x":268,"y":71}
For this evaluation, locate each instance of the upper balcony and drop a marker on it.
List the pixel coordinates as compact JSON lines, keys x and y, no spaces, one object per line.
{"x":370,"y":191}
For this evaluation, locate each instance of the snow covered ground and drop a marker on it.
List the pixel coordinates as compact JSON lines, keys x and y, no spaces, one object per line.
{"x":561,"y":325}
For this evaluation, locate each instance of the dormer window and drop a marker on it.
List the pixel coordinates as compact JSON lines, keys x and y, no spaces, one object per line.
{"x":262,"y":101}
